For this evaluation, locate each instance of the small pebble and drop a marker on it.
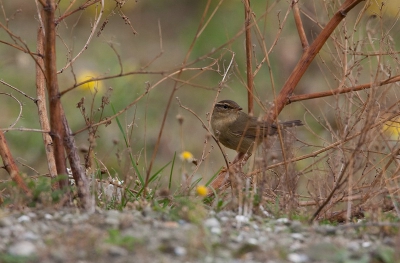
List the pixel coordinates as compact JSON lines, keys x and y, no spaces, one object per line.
{"x":22,"y":248}
{"x":117,"y":251}
{"x":297,"y":258}
{"x":48,"y":216}
{"x":180,"y":251}
{"x":23,"y":218}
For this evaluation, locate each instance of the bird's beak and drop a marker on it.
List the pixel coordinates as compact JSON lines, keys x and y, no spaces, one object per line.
{"x":240,"y":108}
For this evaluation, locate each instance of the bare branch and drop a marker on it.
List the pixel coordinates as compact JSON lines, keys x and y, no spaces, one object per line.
{"x":20,"y":109}
{"x":307,"y":58}
{"x":42,"y":109}
{"x":92,"y":32}
{"x":10,"y":166}
{"x":337,"y":91}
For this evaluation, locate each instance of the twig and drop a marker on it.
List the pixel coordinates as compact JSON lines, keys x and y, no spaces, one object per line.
{"x":307,"y":58}
{"x":96,"y":23}
{"x":108,"y":119}
{"x":80,"y":8}
{"x":322,"y":94}
{"x":119,"y":58}
{"x":17,"y":90}
{"x":299,"y":24}
{"x":161,"y":49}
{"x":20,"y":110}
{"x":39,"y":16}
{"x":26,"y":130}
{"x":206,"y":128}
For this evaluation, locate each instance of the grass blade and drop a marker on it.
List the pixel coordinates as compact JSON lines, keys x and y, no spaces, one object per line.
{"x":127,"y":145}
{"x":170,"y":174}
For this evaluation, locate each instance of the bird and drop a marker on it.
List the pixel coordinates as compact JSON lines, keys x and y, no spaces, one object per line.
{"x":237,"y":130}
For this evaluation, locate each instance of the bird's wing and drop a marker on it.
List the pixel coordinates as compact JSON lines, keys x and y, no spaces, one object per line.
{"x":260,"y":129}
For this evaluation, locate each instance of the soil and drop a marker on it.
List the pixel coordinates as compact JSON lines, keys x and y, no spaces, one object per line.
{"x":147,"y":236}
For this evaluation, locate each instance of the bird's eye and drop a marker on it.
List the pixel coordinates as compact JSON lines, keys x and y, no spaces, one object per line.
{"x":225,"y":106}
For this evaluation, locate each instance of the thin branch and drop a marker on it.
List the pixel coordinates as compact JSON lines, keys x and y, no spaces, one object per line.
{"x":161,"y":48}
{"x":299,"y":24}
{"x":39,"y":15}
{"x":10,"y":166}
{"x":26,"y":130}
{"x":108,"y":119}
{"x":337,"y":91}
{"x":80,"y":8}
{"x":17,"y":47}
{"x":42,"y":2}
{"x":92,"y":32}
{"x":331,"y":146}
{"x":19,"y":91}
{"x":307,"y":58}
{"x":206,"y":128}
{"x":249,"y":53}
{"x":20,"y":109}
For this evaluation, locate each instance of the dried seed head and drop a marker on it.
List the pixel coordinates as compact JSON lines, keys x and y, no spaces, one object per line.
{"x":179,"y":118}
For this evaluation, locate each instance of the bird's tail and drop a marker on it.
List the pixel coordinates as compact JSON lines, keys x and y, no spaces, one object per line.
{"x":291,"y":123}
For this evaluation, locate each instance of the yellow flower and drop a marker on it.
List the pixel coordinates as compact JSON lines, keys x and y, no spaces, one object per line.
{"x":392,"y":128}
{"x":388,"y":8}
{"x":186,"y":156}
{"x":91,"y":85}
{"x":202,"y":190}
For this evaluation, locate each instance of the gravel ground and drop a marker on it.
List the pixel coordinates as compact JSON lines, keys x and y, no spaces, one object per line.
{"x":134,"y":236}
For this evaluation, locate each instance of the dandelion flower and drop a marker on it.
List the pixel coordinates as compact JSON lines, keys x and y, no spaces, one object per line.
{"x":91,"y":86}
{"x":202,"y":190}
{"x":186,"y":156}
{"x":392,"y":128}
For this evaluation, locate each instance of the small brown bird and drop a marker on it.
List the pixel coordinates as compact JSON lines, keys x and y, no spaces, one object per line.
{"x":238,"y":131}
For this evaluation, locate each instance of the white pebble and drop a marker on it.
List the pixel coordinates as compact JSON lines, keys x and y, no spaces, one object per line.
{"x":297,"y":258}
{"x":24,"y":218}
{"x":23,"y":248}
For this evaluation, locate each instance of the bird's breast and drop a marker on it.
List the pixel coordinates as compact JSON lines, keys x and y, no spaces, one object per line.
{"x":221,"y":124}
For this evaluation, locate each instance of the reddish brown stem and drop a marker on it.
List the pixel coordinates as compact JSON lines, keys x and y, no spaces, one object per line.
{"x":10,"y":166}
{"x":42,"y":110}
{"x":299,"y":24}
{"x":341,"y":90}
{"x":307,"y":57}
{"x":249,"y":51}
{"x":57,"y":129}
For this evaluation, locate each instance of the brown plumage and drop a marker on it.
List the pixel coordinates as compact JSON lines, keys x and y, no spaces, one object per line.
{"x":238,"y":131}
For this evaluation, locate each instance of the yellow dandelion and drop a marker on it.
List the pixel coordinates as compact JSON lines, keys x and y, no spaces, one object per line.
{"x":91,"y":86}
{"x":202,"y":190}
{"x":388,"y":8}
{"x":186,"y":156}
{"x":392,"y":129}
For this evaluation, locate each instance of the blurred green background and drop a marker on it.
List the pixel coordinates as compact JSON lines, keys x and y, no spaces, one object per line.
{"x":178,"y":21}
